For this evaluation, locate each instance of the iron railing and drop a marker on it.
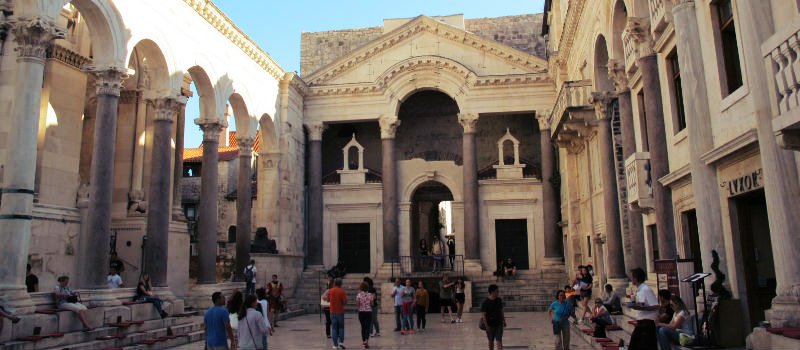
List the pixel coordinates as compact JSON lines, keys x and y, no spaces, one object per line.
{"x":422,"y":265}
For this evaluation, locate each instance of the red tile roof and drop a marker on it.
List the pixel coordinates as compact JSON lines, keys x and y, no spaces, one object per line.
{"x":191,"y":155}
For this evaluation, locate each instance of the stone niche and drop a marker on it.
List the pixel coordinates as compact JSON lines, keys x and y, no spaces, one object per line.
{"x":508,"y":171}
{"x":357,"y":176}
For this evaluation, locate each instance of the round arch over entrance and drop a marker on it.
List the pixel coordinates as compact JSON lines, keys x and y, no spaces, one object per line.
{"x":431,"y":218}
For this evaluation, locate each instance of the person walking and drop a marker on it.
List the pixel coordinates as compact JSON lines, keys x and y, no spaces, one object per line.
{"x":68,"y":299}
{"x":422,"y":306}
{"x":647,"y":311}
{"x":493,"y":318}
{"x":559,"y":313}
{"x":234,"y":304}
{"x":446,"y":297}
{"x":460,"y":299}
{"x":397,"y":294}
{"x":364,"y":301}
{"x":451,"y":251}
{"x":217,"y":325}
{"x":250,"y":278}
{"x":144,"y":292}
{"x":326,"y":307}
{"x":374,"y":327}
{"x":337,"y":298}
{"x":275,"y":297}
{"x":408,"y":309}
{"x":263,"y":307}
{"x":252,"y":328}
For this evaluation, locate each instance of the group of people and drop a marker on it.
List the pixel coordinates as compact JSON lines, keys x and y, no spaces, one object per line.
{"x":274,"y":292}
{"x":437,"y":251}
{"x":333,"y":301}
{"x":242,"y":319}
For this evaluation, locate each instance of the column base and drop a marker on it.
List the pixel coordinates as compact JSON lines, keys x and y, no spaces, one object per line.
{"x":553,"y":261}
{"x":17,"y":300}
{"x":785,"y":311}
{"x":100,"y":297}
{"x":177,"y":214}
{"x":473,"y":267}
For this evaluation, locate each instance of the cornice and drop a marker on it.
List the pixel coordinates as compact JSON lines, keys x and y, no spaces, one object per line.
{"x":574,"y":14}
{"x":226,"y":27}
{"x":737,"y":143}
{"x":419,"y":25}
{"x":67,"y":56}
{"x":673,"y":177}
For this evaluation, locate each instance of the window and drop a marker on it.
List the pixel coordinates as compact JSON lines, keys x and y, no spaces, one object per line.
{"x":192,"y":169}
{"x":190,"y":211}
{"x":642,"y":122}
{"x":674,"y":72}
{"x":232,"y":234}
{"x":589,"y":245}
{"x":728,"y":47}
{"x":652,"y":230}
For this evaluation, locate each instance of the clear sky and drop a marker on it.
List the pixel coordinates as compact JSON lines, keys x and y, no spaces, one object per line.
{"x":276,"y":25}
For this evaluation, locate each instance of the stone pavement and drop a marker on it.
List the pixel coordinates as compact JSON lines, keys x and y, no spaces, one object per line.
{"x":526,"y":330}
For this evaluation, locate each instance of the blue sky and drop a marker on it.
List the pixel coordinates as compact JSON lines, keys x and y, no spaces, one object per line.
{"x":276,"y":25}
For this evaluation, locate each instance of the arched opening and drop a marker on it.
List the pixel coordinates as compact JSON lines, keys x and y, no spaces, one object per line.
{"x":431,"y":221}
{"x":601,"y":79}
{"x":429,"y":128}
{"x":619,"y":19}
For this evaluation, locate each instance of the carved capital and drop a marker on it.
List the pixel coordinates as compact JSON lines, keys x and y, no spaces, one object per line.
{"x":107,"y":78}
{"x":315,"y":130}
{"x":616,"y":72}
{"x":211,"y":128}
{"x":637,"y":39}
{"x":165,"y":107}
{"x":676,"y":3}
{"x":600,"y":100}
{"x":245,"y":145}
{"x":388,"y":126}
{"x":544,"y":120}
{"x":34,"y":35}
{"x":468,"y":121}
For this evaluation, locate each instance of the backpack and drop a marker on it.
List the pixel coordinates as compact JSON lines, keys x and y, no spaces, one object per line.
{"x":248,"y":274}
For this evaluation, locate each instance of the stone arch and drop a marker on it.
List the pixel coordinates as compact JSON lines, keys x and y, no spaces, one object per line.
{"x":619,"y":18}
{"x":269,"y":138}
{"x":151,"y":66}
{"x":601,"y":80}
{"x":241,"y":115}
{"x":415,"y":74}
{"x":205,"y":91}
{"x":408,"y":192}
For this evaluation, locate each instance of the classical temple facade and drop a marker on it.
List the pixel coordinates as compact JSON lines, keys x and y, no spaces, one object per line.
{"x":617,"y":133}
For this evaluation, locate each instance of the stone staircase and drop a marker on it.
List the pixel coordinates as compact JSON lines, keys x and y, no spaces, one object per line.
{"x":308,"y":289}
{"x":530,"y":290}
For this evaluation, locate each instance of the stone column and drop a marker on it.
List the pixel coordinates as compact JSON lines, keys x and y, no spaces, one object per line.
{"x":469,"y":121}
{"x":315,"y":131}
{"x":637,"y":32}
{"x":389,"y":200}
{"x":269,"y":192}
{"x":244,"y":204}
{"x":636,"y":256}
{"x":158,"y":213}
{"x":615,"y":262}
{"x":33,"y":36}
{"x":781,"y":187}
{"x":553,"y":251}
{"x":209,"y":197}
{"x":177,"y":168}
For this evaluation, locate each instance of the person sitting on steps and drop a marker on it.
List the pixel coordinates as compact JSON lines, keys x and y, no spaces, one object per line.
{"x":509,"y":268}
{"x":68,"y":299}
{"x":144,"y":293}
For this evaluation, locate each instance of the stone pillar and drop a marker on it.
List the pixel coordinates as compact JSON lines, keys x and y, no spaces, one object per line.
{"x":136,"y":199}
{"x":469,"y":121}
{"x":553,"y":251}
{"x":158,"y":214}
{"x":33,"y":36}
{"x":101,"y":181}
{"x":638,"y":35}
{"x":636,"y":256}
{"x":701,"y":138}
{"x":615,"y":262}
{"x":781,"y":187}
{"x":177,"y":168}
{"x":209,"y":197}
{"x":244,"y":204}
{"x":315,"y":131}
{"x":391,"y":237}
{"x":269,"y":192}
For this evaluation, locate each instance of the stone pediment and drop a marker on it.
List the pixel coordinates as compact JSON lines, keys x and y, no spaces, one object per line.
{"x":424,"y":36}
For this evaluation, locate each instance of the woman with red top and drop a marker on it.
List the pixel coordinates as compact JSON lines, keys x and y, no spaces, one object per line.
{"x":364,"y":301}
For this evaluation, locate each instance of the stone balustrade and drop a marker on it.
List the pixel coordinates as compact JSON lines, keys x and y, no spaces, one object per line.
{"x":781,"y":54}
{"x":637,"y":173}
{"x":660,"y":15}
{"x":573,"y":96}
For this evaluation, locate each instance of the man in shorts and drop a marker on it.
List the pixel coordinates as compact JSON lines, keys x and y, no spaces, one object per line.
{"x":446,"y":297}
{"x":493,"y":317}
{"x":274,"y":296}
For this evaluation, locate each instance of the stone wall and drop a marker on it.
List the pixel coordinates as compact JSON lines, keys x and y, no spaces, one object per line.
{"x":520,"y":32}
{"x":320,"y":48}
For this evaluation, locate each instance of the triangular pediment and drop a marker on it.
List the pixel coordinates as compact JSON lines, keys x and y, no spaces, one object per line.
{"x":425,"y":36}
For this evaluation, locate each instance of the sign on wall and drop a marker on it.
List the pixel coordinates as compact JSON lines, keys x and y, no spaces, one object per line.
{"x":743,"y":184}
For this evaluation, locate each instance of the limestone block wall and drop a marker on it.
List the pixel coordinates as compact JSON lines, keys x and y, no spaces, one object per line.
{"x":54,"y":244}
{"x":288,"y":267}
{"x":320,"y":48}
{"x":520,"y":32}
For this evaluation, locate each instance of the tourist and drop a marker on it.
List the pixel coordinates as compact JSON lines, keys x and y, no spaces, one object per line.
{"x":68,"y":299}
{"x":438,"y":254}
{"x":460,"y":297}
{"x":493,"y":318}
{"x":584,"y":282}
{"x":509,"y":268}
{"x":31,"y":281}
{"x":397,"y":294}
{"x":408,"y":308}
{"x":611,"y":300}
{"x":590,"y":270}
{"x":144,"y":292}
{"x":113,"y":280}
{"x":669,"y":333}
{"x":364,"y":301}
{"x":423,"y":301}
{"x":326,"y":307}
{"x":252,"y":328}
{"x":250,"y":278}
{"x":263,"y":307}
{"x":451,"y":251}
{"x":233,"y":306}
{"x":7,"y":314}
{"x":559,"y":313}
{"x":446,"y":297}
{"x":646,"y":306}
{"x":115,"y":262}
{"x":337,"y":298}
{"x":601,"y":318}
{"x":217,"y":325}
{"x":374,"y":327}
{"x":423,"y":254}
{"x":275,"y":296}
{"x":665,"y":310}
{"x":338,"y":270}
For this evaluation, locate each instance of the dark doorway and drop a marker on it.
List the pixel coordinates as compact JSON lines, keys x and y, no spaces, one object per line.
{"x":427,"y":222}
{"x":759,"y":270}
{"x":354,"y":247}
{"x":691,"y":239}
{"x":511,"y":236}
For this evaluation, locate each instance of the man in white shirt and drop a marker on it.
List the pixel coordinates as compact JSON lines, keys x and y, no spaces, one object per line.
{"x":397,"y":294}
{"x":646,"y":300}
{"x":113,"y":280}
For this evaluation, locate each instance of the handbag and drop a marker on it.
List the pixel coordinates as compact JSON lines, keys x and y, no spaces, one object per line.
{"x":481,"y":325}
{"x":324,"y":303}
{"x":72,"y":299}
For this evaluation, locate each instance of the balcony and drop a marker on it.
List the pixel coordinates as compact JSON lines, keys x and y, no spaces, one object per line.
{"x":781,"y":54}
{"x":572,"y":104}
{"x":637,"y":173}
{"x":660,"y":15}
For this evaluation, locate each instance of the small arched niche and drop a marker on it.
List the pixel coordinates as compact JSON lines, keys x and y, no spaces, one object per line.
{"x":508,"y":171}
{"x":349,"y":176}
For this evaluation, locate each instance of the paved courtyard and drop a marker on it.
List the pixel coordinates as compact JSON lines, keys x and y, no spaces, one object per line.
{"x":526,"y":330}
